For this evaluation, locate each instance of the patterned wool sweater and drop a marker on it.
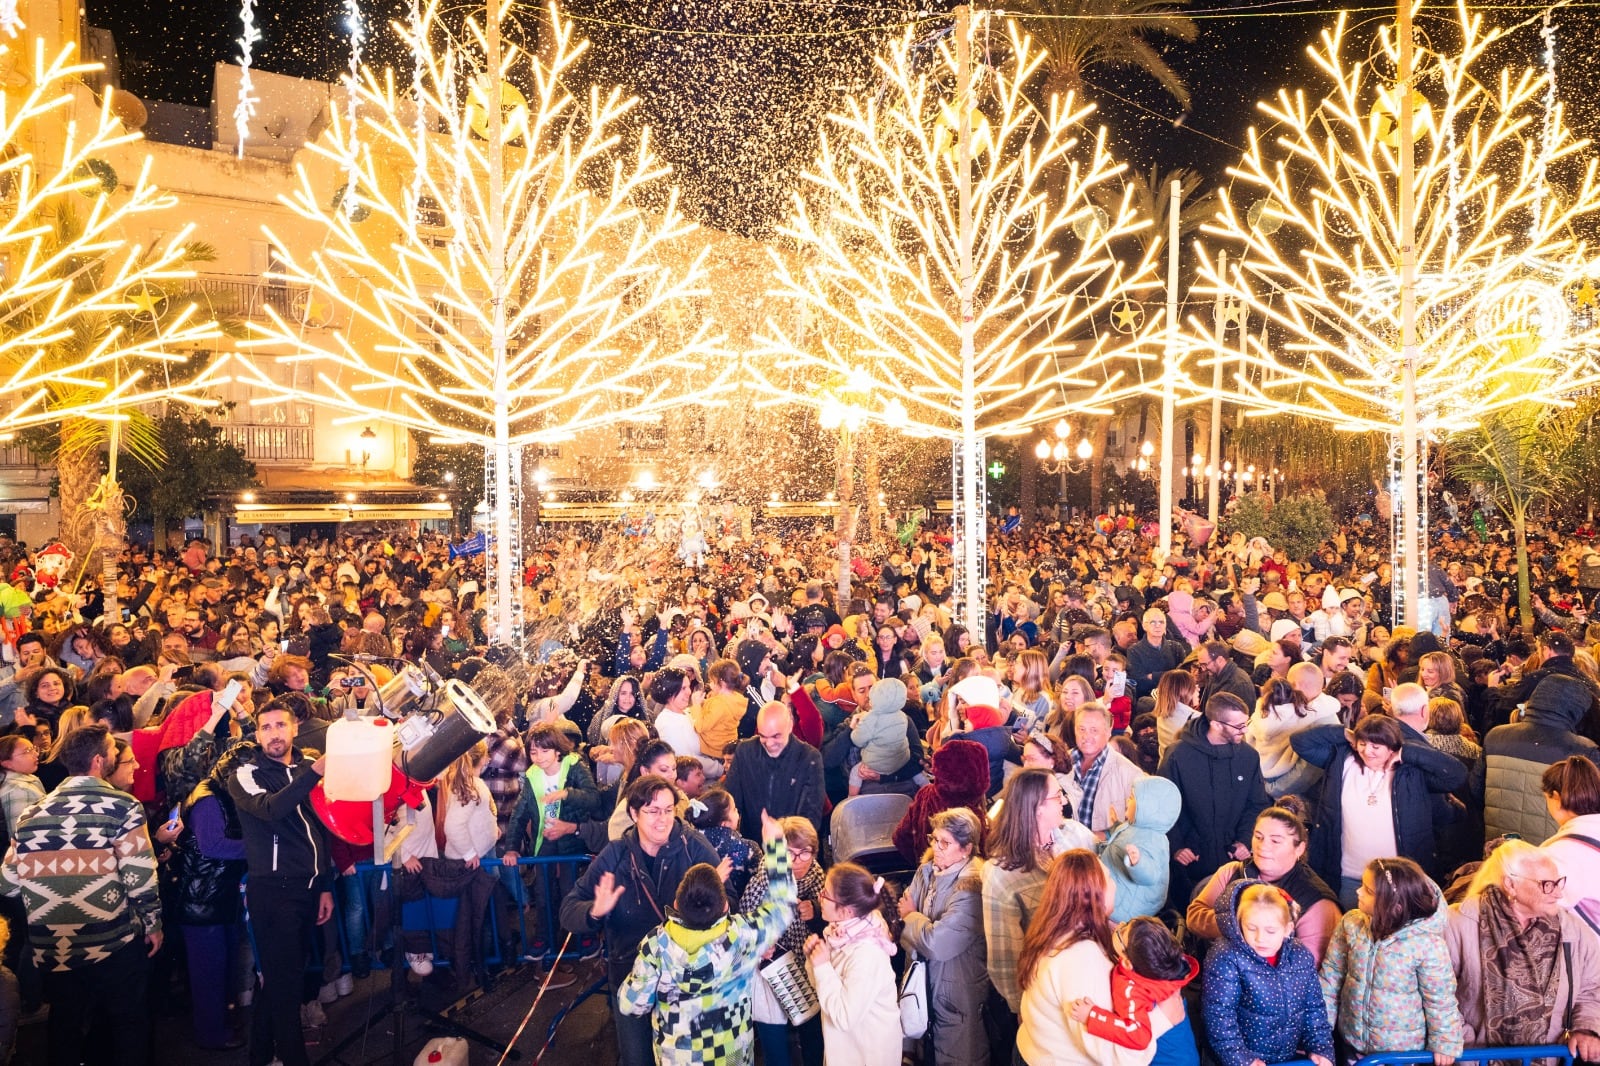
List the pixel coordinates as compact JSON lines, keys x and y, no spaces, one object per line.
{"x":83,"y":864}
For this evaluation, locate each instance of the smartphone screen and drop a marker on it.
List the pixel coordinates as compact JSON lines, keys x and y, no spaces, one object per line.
{"x":283,"y":645}
{"x":172,"y":816}
{"x":444,"y":631}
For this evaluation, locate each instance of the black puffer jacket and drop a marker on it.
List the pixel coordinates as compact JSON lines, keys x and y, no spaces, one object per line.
{"x":207,"y":891}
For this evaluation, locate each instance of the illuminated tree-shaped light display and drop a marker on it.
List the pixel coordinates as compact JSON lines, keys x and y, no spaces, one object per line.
{"x":504,"y":282}
{"x":950,"y":263}
{"x":1380,"y":317}
{"x":71,"y":277}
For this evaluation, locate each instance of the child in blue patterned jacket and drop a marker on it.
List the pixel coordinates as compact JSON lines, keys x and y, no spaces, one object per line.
{"x":693,"y":973}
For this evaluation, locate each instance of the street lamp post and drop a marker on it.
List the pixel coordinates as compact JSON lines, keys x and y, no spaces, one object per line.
{"x":1055,"y":457}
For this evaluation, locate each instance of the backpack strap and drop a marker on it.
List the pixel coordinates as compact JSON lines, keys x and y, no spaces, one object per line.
{"x":1580,"y":838}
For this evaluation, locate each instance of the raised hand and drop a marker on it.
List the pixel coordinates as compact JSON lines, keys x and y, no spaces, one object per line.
{"x":771,"y":828}
{"x":606,"y":894}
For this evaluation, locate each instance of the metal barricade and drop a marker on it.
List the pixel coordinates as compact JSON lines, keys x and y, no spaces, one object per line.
{"x":1524,"y":1054}
{"x":531,"y":938}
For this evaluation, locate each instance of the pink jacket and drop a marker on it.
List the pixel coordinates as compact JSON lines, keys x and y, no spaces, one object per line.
{"x":1180,"y":605}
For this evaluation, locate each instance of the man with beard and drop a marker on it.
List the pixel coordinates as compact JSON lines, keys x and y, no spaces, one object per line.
{"x":290,"y":887}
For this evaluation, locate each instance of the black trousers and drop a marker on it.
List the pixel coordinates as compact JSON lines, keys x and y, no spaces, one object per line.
{"x":284,"y":919}
{"x":115,"y":990}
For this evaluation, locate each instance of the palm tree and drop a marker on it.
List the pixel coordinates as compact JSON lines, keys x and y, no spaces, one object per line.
{"x":1081,"y":35}
{"x":92,"y":506}
{"x":1520,"y":454}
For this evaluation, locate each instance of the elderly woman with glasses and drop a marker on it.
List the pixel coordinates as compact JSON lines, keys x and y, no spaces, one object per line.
{"x":772,"y":1027}
{"x":1527,"y":969}
{"x":626,"y":891}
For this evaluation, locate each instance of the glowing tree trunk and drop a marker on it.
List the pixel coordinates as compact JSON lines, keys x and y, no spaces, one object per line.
{"x":1377,"y":318}
{"x":503,"y":284}
{"x":950,"y":249}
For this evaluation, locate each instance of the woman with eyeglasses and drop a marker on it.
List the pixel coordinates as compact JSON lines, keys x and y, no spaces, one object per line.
{"x":626,"y":890}
{"x":1527,"y":969}
{"x":1378,"y":791}
{"x":943,"y":914}
{"x":772,"y":1028}
{"x":19,"y":786}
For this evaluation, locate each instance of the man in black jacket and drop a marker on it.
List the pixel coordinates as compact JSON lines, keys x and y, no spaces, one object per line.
{"x":776,"y":772}
{"x":1153,"y":656}
{"x":1219,"y":778}
{"x":1219,"y":673}
{"x":290,"y":887}
{"x":627,"y":889}
{"x":1504,"y":699}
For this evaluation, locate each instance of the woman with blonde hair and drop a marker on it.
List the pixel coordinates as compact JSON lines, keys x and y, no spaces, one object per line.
{"x":1436,"y":672}
{"x":1031,"y":698}
{"x":1073,"y":692}
{"x":623,"y":741}
{"x":51,"y":772}
{"x":465,"y":812}
{"x":947,"y":720}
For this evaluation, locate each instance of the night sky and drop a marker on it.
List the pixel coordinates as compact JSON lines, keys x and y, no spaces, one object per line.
{"x":737,"y":115}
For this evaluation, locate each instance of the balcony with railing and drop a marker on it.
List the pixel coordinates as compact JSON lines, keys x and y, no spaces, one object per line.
{"x":272,"y":443}
{"x":246,"y":296}
{"x":14,"y":455}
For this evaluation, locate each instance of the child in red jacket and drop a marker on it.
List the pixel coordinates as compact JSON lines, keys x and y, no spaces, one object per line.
{"x":1151,"y":967}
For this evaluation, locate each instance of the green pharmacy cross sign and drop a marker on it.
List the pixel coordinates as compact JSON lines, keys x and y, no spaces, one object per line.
{"x":997,"y":470}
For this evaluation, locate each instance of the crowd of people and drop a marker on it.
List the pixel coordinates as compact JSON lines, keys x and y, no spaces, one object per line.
{"x":1217,"y":769}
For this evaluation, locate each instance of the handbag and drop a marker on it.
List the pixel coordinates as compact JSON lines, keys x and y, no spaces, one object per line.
{"x":784,"y":981}
{"x":914,"y":999}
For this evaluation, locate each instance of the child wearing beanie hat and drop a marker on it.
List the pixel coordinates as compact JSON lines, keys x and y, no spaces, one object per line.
{"x":880,"y":730}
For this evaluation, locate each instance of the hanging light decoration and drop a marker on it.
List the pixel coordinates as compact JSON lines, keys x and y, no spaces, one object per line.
{"x":245,"y":109}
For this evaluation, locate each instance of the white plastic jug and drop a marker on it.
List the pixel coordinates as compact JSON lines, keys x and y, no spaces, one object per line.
{"x":359,"y":754}
{"x":443,"y":1051}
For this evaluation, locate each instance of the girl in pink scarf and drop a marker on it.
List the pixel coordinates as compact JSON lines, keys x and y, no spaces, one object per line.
{"x":849,"y":967}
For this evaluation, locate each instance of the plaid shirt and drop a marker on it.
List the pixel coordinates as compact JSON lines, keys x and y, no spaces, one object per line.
{"x":508,"y":761}
{"x":1090,"y":780}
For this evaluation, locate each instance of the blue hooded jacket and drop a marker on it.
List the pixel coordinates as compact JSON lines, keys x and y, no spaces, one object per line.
{"x":1142,"y":886}
{"x":1255,"y":1009}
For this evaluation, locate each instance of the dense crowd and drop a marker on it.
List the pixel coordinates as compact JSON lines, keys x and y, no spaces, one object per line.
{"x":1220,"y":768}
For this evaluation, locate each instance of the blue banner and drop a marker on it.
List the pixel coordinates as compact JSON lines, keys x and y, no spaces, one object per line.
{"x":476,"y":544}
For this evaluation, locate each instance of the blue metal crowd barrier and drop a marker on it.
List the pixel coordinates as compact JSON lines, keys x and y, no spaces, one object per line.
{"x":1526,"y":1055}
{"x":536,"y":939}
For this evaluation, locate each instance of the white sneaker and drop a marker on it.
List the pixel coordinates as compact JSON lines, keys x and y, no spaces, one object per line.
{"x":328,"y":993}
{"x":421,"y":965}
{"x":312,"y":1015}
{"x":346,"y":985}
